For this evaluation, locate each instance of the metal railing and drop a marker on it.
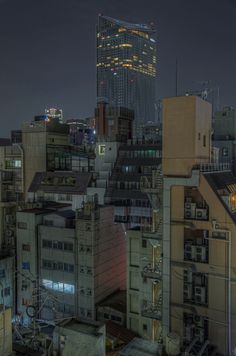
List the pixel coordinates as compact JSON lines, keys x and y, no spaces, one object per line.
{"x":213,"y":167}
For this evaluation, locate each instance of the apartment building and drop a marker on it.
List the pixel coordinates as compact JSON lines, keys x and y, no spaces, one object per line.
{"x":67,"y":187}
{"x":198,"y":232}
{"x":134,"y":160}
{"x":68,"y":259}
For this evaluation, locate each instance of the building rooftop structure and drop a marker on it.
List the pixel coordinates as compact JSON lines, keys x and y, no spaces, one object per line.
{"x":61,"y":182}
{"x":81,"y":325}
{"x":141,"y":347}
{"x":116,"y":300}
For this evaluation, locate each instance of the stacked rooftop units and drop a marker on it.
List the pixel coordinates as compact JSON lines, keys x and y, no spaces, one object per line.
{"x":74,"y":257}
{"x":198,"y":232}
{"x":134,"y":160}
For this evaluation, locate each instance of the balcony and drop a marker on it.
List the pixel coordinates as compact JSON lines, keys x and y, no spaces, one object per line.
{"x":152,"y":272}
{"x":152,"y":310}
{"x":213,"y":167}
{"x":152,"y":184}
{"x":152,"y":232}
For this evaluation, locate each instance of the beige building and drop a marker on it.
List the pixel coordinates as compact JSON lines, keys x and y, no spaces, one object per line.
{"x":188,"y":280}
{"x":198,"y":232}
{"x":5,"y":331}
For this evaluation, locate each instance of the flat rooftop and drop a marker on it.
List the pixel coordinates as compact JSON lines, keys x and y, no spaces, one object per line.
{"x":82,"y":326}
{"x":141,"y":347}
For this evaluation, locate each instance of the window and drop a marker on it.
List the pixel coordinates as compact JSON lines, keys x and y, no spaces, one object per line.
{"x":89,"y":291}
{"x":106,"y":316}
{"x":204,"y":140}
{"x":89,"y":314}
{"x":225,"y":151}
{"x":68,"y":267}
{"x":69,"y":288}
{"x":47,"y":264}
{"x":81,"y":248}
{"x":2,"y":273}
{"x":26,"y":265}
{"x":17,"y":163}
{"x":25,"y":247}
{"x":89,"y":270}
{"x":48,"y":222}
{"x":47,"y":244}
{"x":88,"y":250}
{"x":144,"y":243}
{"x":144,"y":327}
{"x":68,"y":246}
{"x":22,"y":225}
{"x":81,"y":270}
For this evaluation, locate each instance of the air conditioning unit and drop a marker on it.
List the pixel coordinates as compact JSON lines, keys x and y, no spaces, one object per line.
{"x":215,"y":226}
{"x":200,"y":253}
{"x":199,"y":332}
{"x":201,"y":214}
{"x":189,"y":210}
{"x":189,"y":252}
{"x":187,"y":291}
{"x":200,"y":294}
{"x":188,"y":199}
{"x":188,"y":276}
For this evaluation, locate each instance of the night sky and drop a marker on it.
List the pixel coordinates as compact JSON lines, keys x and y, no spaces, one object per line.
{"x":48,"y":52}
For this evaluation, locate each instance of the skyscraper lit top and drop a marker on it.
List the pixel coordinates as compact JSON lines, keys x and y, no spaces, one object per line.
{"x":126,"y":66}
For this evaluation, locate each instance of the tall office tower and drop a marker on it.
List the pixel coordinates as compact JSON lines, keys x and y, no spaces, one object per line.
{"x":126,"y":66}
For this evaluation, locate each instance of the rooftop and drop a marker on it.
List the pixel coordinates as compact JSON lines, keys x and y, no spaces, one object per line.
{"x":141,"y":347}
{"x":82,"y":326}
{"x":61,"y":182}
{"x":119,"y":332}
{"x":128,"y":25}
{"x":116,"y":300}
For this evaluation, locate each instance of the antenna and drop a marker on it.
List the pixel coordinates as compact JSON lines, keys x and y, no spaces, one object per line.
{"x":176,"y":77}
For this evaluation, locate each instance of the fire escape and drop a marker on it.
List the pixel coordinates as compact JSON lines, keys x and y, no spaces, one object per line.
{"x":152,"y":232}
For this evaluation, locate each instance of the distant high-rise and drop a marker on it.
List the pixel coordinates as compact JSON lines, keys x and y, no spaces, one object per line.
{"x":126,"y":66}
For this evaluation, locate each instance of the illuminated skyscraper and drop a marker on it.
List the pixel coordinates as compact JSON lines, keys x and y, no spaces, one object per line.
{"x":126,"y":66}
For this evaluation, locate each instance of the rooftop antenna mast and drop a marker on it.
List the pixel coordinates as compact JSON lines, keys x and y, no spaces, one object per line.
{"x":176,"y":77}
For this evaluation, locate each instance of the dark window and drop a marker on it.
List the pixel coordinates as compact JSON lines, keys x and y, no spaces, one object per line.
{"x":68,"y":246}
{"x":204,"y":140}
{"x":22,"y":225}
{"x":47,"y":243}
{"x":145,"y":327}
{"x":144,"y":243}
{"x":2,"y":273}
{"x":106,"y":316}
{"x":26,"y":265}
{"x":25,"y":247}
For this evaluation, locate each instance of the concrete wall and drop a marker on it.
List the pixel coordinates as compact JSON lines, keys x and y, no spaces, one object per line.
{"x":186,"y":121}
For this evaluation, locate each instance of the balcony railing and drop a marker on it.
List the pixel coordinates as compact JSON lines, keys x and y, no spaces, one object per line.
{"x":152,"y":310}
{"x":152,"y":272}
{"x":213,"y":167}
